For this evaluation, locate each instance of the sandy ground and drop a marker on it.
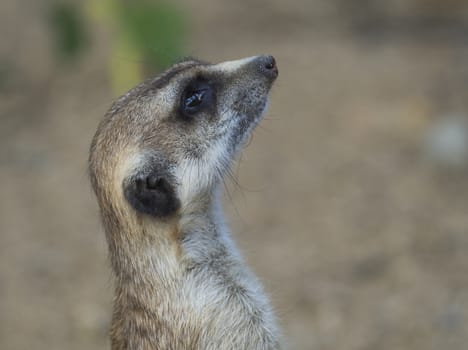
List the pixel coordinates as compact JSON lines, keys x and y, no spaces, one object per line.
{"x":360,"y":240}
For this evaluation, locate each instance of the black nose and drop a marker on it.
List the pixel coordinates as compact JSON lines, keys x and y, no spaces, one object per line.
{"x":267,"y":66}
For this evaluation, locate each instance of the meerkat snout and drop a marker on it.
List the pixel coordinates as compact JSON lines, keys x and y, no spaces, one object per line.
{"x":267,"y":65}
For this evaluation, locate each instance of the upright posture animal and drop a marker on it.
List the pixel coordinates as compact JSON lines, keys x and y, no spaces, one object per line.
{"x":156,"y":163}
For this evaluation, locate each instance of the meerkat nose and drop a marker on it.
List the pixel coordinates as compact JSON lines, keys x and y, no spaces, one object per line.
{"x":267,"y":66}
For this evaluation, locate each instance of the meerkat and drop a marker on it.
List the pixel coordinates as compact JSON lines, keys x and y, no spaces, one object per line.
{"x":156,"y":163}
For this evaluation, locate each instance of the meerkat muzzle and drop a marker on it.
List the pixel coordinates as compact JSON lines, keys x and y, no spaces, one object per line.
{"x":267,"y":66}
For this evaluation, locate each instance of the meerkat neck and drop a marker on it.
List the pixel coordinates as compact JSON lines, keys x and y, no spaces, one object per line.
{"x":149,"y":254}
{"x":187,"y":278}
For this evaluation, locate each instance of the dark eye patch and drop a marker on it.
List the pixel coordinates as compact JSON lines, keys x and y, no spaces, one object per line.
{"x":197,"y":96}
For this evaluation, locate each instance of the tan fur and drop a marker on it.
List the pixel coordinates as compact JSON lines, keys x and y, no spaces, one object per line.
{"x":180,"y":282}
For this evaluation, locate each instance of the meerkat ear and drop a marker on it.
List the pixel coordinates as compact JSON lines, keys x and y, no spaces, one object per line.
{"x":151,"y":194}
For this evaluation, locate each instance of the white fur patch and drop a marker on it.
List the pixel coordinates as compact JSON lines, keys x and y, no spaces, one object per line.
{"x":196,"y":175}
{"x":131,"y":160}
{"x":231,"y":66}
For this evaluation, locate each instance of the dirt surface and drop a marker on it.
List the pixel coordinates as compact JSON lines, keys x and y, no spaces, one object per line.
{"x":360,"y":240}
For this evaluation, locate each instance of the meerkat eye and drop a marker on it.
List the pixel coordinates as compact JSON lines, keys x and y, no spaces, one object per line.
{"x":196,"y":97}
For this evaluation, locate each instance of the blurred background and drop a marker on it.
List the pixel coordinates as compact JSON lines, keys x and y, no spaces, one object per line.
{"x":352,"y":202}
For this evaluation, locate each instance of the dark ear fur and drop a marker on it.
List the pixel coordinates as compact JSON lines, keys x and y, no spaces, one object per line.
{"x":151,"y":194}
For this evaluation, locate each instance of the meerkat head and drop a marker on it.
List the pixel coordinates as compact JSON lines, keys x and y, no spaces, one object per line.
{"x":167,"y":142}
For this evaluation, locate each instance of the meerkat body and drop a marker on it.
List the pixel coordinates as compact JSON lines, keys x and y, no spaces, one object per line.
{"x":156,"y":162}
